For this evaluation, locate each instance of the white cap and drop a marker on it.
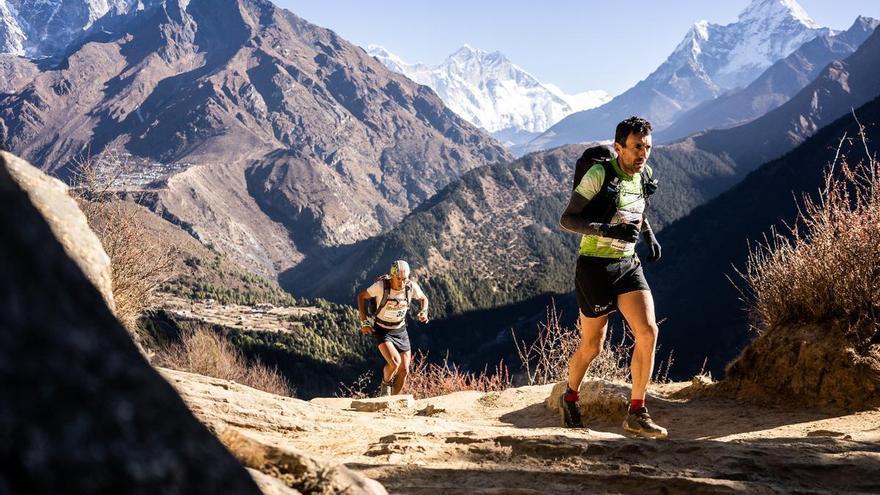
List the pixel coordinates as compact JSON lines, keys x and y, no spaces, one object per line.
{"x":399,"y":268}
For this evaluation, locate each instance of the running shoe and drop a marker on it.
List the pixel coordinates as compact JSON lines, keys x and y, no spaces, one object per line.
{"x":571,"y":413}
{"x":640,"y":423}
{"x":385,"y":390}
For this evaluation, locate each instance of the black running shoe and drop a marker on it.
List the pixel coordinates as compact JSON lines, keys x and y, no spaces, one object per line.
{"x":571,"y":413}
{"x":640,"y":423}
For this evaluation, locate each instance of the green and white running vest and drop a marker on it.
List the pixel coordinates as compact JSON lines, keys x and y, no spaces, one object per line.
{"x":630,"y":208}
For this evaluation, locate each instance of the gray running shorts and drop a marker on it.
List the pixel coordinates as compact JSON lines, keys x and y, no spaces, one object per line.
{"x":399,"y":338}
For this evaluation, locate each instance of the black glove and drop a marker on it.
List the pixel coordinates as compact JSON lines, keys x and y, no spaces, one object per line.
{"x":628,"y":232}
{"x":653,"y":245}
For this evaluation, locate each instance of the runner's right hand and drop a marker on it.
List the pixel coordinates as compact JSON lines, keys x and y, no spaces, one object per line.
{"x":628,"y":232}
{"x":367,"y":330}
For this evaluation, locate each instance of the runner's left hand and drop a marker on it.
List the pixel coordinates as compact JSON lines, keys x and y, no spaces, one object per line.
{"x":422,"y":316}
{"x":654,"y":250}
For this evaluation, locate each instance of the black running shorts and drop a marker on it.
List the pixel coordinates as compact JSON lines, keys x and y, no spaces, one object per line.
{"x":398,"y":338}
{"x":598,"y":282}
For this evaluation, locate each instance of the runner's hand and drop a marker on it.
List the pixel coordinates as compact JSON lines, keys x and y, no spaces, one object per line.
{"x":628,"y":232}
{"x":654,"y":251}
{"x":422,"y":316}
{"x":367,"y":330}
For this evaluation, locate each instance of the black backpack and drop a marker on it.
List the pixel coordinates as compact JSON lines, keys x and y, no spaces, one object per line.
{"x":604,"y":205}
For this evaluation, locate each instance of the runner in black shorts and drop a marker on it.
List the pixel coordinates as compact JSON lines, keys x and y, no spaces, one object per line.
{"x":599,"y":281}
{"x":392,"y":294}
{"x":607,"y":208}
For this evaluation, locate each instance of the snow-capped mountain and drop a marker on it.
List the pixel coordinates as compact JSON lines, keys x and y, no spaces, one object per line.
{"x":711,"y":60}
{"x":490,"y":91}
{"x":40,"y":28}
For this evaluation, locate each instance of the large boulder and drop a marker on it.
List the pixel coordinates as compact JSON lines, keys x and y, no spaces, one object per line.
{"x":600,"y":400}
{"x":81,"y":411}
{"x":51,"y":199}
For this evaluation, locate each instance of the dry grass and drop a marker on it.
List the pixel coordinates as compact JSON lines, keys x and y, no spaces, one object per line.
{"x":359,"y":389}
{"x":828,"y":266}
{"x":431,"y":379}
{"x":545,"y":360}
{"x":139,"y":264}
{"x":204,"y":352}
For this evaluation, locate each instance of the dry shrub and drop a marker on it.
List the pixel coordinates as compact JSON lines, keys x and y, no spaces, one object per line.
{"x":139,"y":263}
{"x":546,"y":359}
{"x":431,"y":380}
{"x":828,"y":266}
{"x":359,"y":389}
{"x":204,"y":352}
{"x":814,"y":296}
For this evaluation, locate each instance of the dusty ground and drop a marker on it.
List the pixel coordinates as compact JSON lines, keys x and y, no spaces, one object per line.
{"x":510,"y":442}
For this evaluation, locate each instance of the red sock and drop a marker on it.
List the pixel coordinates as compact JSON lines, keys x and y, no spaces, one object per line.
{"x":571,"y":395}
{"x":636,"y":404}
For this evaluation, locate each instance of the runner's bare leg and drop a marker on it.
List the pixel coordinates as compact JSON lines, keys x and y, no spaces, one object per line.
{"x":402,"y":371}
{"x":637,"y":307}
{"x":592,"y":339}
{"x":392,"y":360}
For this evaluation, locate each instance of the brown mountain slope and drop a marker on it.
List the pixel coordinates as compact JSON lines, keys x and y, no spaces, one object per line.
{"x":290,"y":137}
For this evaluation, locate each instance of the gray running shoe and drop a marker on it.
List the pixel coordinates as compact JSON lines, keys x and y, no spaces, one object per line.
{"x":640,"y":423}
{"x":571,"y":413}
{"x":385,"y":390}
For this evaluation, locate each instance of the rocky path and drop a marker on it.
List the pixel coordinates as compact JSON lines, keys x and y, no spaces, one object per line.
{"x":510,"y":442}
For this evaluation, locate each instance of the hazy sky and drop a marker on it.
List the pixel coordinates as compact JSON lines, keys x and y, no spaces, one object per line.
{"x":577,"y":45}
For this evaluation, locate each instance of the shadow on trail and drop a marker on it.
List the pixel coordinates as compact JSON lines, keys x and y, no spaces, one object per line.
{"x":701,"y":418}
{"x":580,"y":465}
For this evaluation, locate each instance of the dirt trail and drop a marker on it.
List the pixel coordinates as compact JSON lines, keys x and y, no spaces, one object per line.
{"x":510,"y":442}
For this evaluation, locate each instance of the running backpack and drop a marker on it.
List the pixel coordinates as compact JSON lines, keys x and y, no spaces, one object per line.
{"x":603,"y":206}
{"x":374,"y":309}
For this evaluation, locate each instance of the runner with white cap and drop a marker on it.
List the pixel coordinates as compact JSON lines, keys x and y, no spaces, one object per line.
{"x":392,"y":294}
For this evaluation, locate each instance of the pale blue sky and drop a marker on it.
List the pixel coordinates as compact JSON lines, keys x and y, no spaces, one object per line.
{"x":568,"y":43}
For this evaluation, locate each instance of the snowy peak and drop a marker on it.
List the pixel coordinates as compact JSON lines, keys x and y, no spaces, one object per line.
{"x":711,"y":59}
{"x":41,"y":28}
{"x":490,"y":91}
{"x":392,"y":61}
{"x":733,"y":55}
{"x":776,"y":11}
{"x":12,"y":37}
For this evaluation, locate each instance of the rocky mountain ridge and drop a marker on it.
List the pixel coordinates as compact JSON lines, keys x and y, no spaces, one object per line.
{"x":44,"y":28}
{"x":710,"y":60}
{"x":774,"y":87}
{"x":278,"y":136}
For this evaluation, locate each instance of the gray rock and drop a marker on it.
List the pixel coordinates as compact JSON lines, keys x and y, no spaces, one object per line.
{"x":51,"y":199}
{"x":271,"y":486}
{"x":298,"y":470}
{"x":80,"y":410}
{"x":392,"y":403}
{"x":599,"y":400}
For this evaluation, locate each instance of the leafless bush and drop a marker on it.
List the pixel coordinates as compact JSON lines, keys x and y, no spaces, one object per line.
{"x":138,"y":262}
{"x":431,"y":380}
{"x":204,"y":352}
{"x":359,"y":389}
{"x":828,"y":266}
{"x":545,"y":360}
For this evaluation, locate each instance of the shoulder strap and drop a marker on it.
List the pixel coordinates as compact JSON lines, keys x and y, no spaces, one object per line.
{"x":649,"y":185}
{"x":610,"y":173}
{"x":386,"y":291}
